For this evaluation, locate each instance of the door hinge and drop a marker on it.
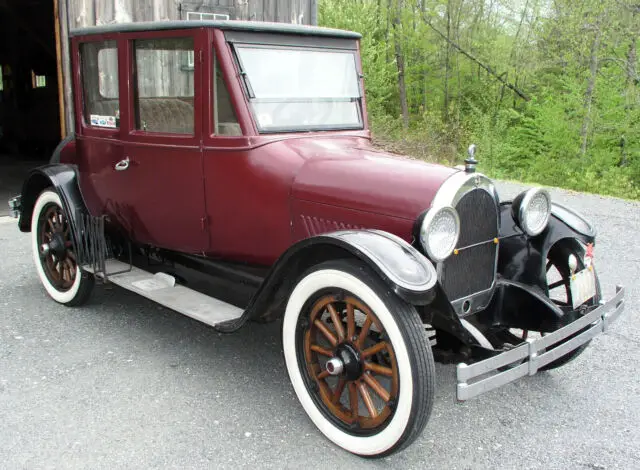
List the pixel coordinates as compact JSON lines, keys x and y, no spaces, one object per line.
{"x":200,"y":56}
{"x":203,"y":223}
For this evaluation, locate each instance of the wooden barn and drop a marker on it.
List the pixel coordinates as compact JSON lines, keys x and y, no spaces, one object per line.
{"x":35,"y":85}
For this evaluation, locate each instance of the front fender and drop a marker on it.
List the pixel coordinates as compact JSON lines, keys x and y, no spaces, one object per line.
{"x":407,"y":272}
{"x":523,"y":259}
{"x":403,"y":268}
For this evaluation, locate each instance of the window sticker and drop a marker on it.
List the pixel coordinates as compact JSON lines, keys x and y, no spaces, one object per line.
{"x":103,"y":121}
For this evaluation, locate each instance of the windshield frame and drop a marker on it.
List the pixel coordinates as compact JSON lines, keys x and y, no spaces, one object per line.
{"x":251,"y":98}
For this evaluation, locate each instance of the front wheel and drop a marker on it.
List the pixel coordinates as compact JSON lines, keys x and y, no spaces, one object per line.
{"x":558,"y":277}
{"x":559,"y":289}
{"x":358,"y":359}
{"x":53,"y":253}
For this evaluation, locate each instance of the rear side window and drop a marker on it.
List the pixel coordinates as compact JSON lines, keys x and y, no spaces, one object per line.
{"x":100,"y":83}
{"x":164,"y":86}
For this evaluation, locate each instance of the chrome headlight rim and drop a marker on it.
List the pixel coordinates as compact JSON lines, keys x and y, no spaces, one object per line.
{"x":525,"y":200}
{"x":426,"y":223}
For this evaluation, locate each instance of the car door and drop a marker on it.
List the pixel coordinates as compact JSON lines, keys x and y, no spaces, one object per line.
{"x":98,"y":130}
{"x":247,"y":189}
{"x":159,"y":182}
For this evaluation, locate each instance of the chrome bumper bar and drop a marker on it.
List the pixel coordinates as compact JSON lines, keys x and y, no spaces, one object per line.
{"x":480,"y":377}
{"x":15,"y":205}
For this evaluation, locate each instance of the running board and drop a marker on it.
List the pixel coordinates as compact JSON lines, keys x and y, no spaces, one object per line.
{"x":162,"y":289}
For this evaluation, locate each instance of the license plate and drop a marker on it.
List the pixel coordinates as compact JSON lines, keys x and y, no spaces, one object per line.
{"x":583,"y":286}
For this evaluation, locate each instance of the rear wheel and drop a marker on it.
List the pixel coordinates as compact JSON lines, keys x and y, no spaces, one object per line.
{"x":358,"y":359}
{"x":53,"y":253}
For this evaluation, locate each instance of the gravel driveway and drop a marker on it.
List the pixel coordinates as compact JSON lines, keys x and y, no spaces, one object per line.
{"x":124,"y":383}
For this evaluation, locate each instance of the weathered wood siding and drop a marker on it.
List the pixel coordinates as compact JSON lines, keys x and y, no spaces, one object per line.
{"x":93,"y":12}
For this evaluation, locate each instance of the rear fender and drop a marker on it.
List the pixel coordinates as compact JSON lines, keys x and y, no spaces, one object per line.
{"x":65,"y":151}
{"x":63,"y":179}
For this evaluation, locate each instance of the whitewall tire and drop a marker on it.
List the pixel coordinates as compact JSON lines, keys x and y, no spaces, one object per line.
{"x":327,"y":311}
{"x":53,"y":253}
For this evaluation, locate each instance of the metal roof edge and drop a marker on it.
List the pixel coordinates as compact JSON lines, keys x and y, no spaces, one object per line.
{"x":253,"y":26}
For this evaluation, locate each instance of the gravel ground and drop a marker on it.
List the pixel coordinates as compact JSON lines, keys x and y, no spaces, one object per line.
{"x":124,"y":383}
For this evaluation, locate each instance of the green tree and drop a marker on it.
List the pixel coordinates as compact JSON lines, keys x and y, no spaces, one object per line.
{"x":548,"y":89}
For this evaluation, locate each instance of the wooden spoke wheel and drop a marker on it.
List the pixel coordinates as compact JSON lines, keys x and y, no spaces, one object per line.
{"x":53,"y":252}
{"x":358,"y":359}
{"x":56,"y":247}
{"x":350,"y":362}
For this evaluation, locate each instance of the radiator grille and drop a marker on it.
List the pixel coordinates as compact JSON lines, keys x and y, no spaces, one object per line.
{"x":473,"y":269}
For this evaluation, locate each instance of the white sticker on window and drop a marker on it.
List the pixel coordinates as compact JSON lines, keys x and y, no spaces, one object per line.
{"x":103,"y":121}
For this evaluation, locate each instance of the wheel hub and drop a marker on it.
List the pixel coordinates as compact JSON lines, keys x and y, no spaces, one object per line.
{"x":348,"y":358}
{"x":56,"y":246}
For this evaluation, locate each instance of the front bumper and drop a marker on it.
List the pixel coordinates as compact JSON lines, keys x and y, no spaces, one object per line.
{"x":529,"y":357}
{"x":15,"y":206}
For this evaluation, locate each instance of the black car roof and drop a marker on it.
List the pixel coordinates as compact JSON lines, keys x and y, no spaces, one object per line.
{"x":252,"y":26}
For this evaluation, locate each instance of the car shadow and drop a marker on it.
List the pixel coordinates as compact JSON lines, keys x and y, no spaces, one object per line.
{"x":253,"y":351}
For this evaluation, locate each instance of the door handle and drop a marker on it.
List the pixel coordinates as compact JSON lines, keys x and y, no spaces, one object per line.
{"x":122,"y":164}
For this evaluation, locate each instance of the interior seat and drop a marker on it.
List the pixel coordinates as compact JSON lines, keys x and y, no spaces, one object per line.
{"x":169,"y":115}
{"x":166,"y":115}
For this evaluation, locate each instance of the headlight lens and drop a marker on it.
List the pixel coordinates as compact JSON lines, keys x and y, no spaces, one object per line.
{"x":439,"y":232}
{"x":532,"y":210}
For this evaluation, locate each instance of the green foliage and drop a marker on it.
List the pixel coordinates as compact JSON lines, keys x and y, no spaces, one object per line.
{"x":579,"y":130}
{"x":380,"y":74}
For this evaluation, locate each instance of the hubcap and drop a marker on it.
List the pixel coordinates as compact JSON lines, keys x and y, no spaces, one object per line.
{"x":349,"y":363}
{"x":335,"y":366}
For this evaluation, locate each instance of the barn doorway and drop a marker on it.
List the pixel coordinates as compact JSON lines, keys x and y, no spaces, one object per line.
{"x":29,"y":107}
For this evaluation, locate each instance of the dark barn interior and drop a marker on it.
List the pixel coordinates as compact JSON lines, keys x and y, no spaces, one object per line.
{"x":29,"y":107}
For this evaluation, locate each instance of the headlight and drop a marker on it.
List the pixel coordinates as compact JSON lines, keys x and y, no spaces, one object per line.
{"x":531,"y":210}
{"x":439,"y":232}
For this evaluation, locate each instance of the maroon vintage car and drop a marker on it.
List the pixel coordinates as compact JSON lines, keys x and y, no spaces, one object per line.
{"x":225,"y":170}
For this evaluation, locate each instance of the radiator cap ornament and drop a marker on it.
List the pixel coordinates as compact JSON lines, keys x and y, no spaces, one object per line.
{"x":470,"y":162}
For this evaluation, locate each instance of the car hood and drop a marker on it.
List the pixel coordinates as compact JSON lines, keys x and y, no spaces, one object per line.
{"x":348,"y":173}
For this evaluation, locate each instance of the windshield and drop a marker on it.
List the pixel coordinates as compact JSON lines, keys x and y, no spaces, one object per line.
{"x":296,"y":89}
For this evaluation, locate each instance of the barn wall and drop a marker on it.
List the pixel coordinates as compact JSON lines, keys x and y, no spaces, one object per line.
{"x":93,"y":12}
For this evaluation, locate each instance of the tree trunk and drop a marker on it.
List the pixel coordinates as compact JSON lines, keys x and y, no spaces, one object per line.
{"x":388,"y":29}
{"x":447,"y":66}
{"x":632,"y":61}
{"x":457,"y":56}
{"x":591,"y":86}
{"x":402,"y":89}
{"x":425,"y":69}
{"x":632,"y":82}
{"x":514,"y":47}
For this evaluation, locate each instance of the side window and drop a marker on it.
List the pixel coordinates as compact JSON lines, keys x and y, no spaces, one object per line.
{"x":100,"y":83}
{"x":164,"y":85}
{"x":224,"y":115}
